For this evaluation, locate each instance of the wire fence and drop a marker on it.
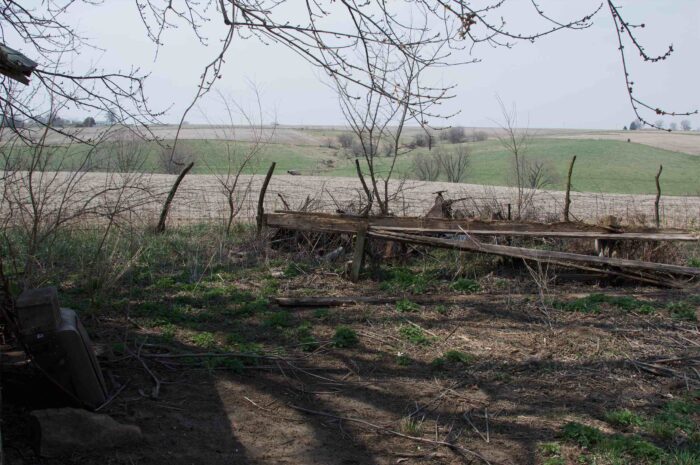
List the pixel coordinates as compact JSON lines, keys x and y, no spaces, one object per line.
{"x":200,"y":198}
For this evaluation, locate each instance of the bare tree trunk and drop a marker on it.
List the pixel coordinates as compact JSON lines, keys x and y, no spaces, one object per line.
{"x":160,"y":228}
{"x":658,"y":198}
{"x":261,"y":199}
{"x":567,"y":201}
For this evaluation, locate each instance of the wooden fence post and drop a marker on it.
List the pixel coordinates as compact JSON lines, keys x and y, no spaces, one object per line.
{"x":160,"y":228}
{"x":261,"y":199}
{"x":658,"y":197}
{"x":359,"y":253}
{"x":567,"y":200}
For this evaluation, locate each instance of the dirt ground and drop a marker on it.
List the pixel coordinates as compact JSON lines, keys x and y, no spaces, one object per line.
{"x":528,"y":370}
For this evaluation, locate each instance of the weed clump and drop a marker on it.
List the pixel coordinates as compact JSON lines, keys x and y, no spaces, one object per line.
{"x":251,"y":308}
{"x":624,"y":417}
{"x":281,"y":319}
{"x":322,"y":313}
{"x":345,"y":337}
{"x":406,"y":306}
{"x":452,"y":357}
{"x":465,"y":286}
{"x":410,"y":426}
{"x":592,"y":303}
{"x":414,"y":335}
{"x":295,"y":269}
{"x":406,"y":280}
{"x":306,"y":339}
{"x":204,"y":340}
{"x":682,"y":310}
{"x":676,"y":426}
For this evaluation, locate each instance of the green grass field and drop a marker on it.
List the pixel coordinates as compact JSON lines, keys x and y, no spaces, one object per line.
{"x":601,"y":166}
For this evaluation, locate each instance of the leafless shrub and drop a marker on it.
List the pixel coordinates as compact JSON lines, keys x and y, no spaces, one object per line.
{"x":240,"y":156}
{"x":122,"y":151}
{"x":543,"y":278}
{"x":454,"y":162}
{"x":539,"y":174}
{"x":346,"y":140}
{"x":526,"y":176}
{"x":479,"y":136}
{"x":48,"y":189}
{"x":453,"y":135}
{"x":379,"y":114}
{"x":426,"y":167}
{"x":388,"y":148}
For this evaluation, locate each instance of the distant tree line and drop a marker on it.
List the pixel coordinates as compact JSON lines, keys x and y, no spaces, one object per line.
{"x":660,"y":124}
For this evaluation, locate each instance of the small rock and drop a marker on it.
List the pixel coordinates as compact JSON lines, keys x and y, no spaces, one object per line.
{"x":59,"y":432}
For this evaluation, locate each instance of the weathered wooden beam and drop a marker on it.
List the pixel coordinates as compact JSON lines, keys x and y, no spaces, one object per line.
{"x":555,"y":234}
{"x":359,"y":254}
{"x":323,"y":222}
{"x":261,"y":200}
{"x":635,"y":269}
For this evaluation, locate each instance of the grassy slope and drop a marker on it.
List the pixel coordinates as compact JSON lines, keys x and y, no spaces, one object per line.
{"x":601,"y":166}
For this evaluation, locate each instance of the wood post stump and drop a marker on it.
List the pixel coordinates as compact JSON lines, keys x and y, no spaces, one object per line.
{"x":359,"y":254}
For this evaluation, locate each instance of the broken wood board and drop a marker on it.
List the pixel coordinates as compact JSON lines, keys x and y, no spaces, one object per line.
{"x":324,"y":222}
{"x":631,"y":236}
{"x":633,"y":269}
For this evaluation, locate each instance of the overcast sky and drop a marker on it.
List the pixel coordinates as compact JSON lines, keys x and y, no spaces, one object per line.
{"x":571,"y":79}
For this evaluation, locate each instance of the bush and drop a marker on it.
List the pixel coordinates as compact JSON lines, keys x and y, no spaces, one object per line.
{"x":682,"y":310}
{"x":453,"y":135}
{"x":466,"y":286}
{"x":204,"y":340}
{"x":426,"y":167}
{"x":345,"y":337}
{"x":414,"y":335}
{"x":422,"y":140}
{"x":452,"y":357}
{"x":406,"y":306}
{"x":346,"y":140}
{"x":280,"y":319}
{"x":307,"y":340}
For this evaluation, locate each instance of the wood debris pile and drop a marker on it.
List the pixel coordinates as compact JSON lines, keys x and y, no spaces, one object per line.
{"x":465,"y":234}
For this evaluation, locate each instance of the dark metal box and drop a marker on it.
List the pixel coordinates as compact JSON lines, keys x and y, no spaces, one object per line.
{"x":38,"y":311}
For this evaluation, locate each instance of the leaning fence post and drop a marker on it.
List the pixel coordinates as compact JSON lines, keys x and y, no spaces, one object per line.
{"x":160,"y":228}
{"x":359,"y":253}
{"x":567,"y":200}
{"x":261,"y":199}
{"x":658,"y":197}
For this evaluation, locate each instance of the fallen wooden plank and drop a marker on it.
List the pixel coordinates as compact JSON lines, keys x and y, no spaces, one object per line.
{"x":537,"y":254}
{"x":324,"y":222}
{"x":633,"y":269}
{"x":557,"y":234}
